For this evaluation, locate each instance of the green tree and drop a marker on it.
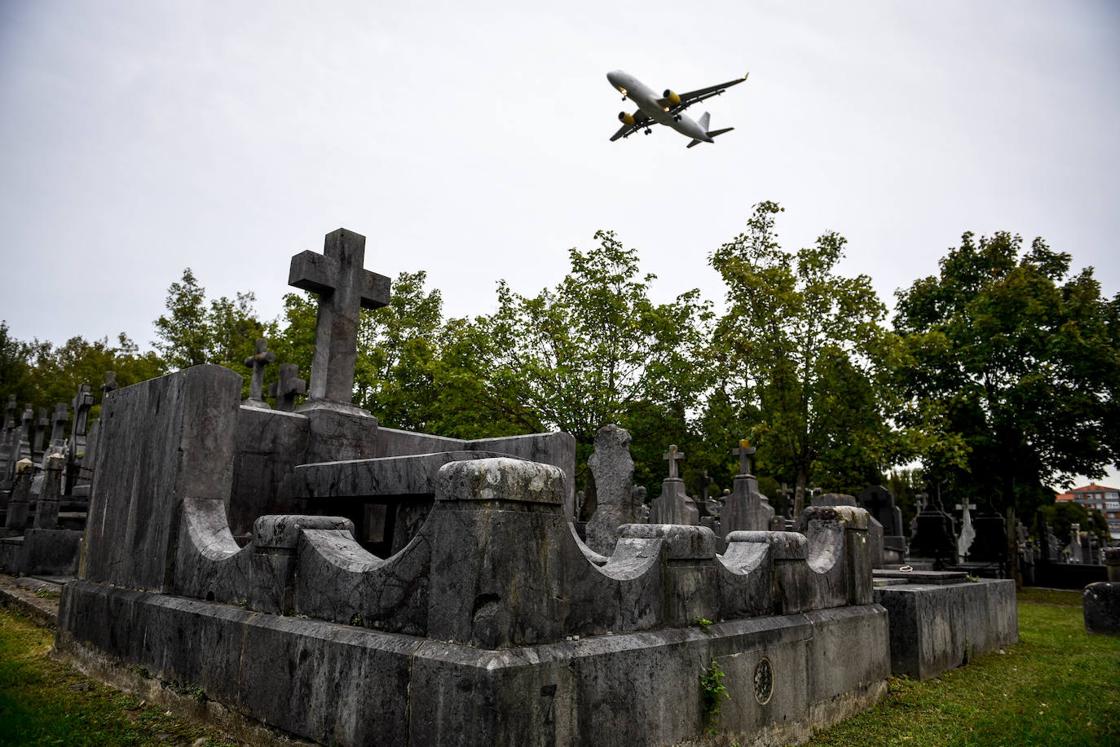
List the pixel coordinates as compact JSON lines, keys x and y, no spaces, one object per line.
{"x":596,"y":350}
{"x":15,"y":369}
{"x":1062,"y":516}
{"x":1021,"y":361}
{"x":41,"y":374}
{"x":182,"y":335}
{"x":397,"y":347}
{"x":223,"y":331}
{"x":807,"y":353}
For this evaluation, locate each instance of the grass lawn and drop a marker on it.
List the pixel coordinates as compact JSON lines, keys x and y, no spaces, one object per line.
{"x":43,"y":701}
{"x":1059,"y":686}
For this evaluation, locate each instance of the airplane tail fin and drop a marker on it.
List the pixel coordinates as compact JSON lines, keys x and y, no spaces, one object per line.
{"x":704,"y":121}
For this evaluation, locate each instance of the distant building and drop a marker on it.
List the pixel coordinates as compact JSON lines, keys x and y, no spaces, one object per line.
{"x":1099,"y":498}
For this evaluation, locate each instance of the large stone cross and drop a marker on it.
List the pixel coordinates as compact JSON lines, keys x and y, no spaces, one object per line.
{"x":744,"y":452}
{"x":343,"y":286}
{"x":257,"y":361}
{"x":673,"y":455}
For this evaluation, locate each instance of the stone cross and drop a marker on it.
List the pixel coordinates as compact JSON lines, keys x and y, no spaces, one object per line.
{"x":744,"y":452}
{"x":81,"y":403}
{"x":287,"y":387}
{"x":960,"y":507}
{"x":58,"y":426}
{"x":344,"y":287}
{"x":21,"y":444}
{"x":110,"y":383}
{"x":673,"y":456}
{"x":257,"y":362}
{"x":41,"y":431}
{"x":10,"y":419}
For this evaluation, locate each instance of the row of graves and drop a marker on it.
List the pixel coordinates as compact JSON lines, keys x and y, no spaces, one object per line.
{"x":317,"y":575}
{"x":940,"y":613}
{"x":46,"y":464}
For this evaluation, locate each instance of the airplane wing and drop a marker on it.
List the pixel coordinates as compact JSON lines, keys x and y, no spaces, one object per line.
{"x":700,"y":94}
{"x":641,"y":121}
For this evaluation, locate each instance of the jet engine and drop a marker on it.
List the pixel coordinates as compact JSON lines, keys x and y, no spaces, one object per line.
{"x":626,"y":118}
{"x":672,"y":97}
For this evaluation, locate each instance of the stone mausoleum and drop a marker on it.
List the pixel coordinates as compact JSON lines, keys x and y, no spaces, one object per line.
{"x":351,"y":584}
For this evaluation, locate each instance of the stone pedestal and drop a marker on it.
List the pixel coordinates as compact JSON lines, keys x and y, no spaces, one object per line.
{"x":1101,"y":601}
{"x":746,"y":509}
{"x":673,"y":506}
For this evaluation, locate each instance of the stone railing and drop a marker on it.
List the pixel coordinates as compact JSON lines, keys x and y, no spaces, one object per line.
{"x":496,"y":563}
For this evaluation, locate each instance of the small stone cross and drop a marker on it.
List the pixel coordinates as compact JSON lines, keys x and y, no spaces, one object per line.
{"x":673,"y":455}
{"x":786,"y":492}
{"x":287,"y":387}
{"x":337,"y":276}
{"x":257,"y":362}
{"x":58,"y":423}
{"x":41,"y":430}
{"x":110,"y":383}
{"x":744,"y":452}
{"x":81,"y":403}
{"x":969,"y":506}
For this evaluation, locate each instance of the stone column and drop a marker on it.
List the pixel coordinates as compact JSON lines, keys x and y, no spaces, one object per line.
{"x":614,"y":485}
{"x":21,"y":493}
{"x":46,"y":508}
{"x":496,"y":580}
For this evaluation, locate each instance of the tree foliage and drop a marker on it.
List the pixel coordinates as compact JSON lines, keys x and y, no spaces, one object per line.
{"x":806,"y":348}
{"x":1021,"y":360}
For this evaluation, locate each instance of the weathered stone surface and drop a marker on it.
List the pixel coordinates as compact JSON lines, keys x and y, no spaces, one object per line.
{"x":937,"y":628}
{"x":746,"y":509}
{"x":673,"y":506}
{"x":1101,"y":607}
{"x":269,"y":445}
{"x":162,"y":441}
{"x":46,"y":508}
{"x":18,"y":503}
{"x":613,"y":470}
{"x":1110,"y":556}
{"x":323,"y":681}
{"x":50,"y":552}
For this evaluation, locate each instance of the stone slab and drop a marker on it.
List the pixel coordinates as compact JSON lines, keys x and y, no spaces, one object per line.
{"x":935,"y":628}
{"x":161,"y":442}
{"x":921,"y":577}
{"x":349,"y":686}
{"x":1101,"y":607}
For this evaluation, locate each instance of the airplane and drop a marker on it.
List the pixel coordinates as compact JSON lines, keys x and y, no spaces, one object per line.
{"x":667,"y":110}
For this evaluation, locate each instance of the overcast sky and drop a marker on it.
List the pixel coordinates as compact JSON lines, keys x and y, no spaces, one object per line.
{"x":470,"y":140}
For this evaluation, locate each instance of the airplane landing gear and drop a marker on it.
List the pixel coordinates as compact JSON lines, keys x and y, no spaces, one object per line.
{"x":648,"y":131}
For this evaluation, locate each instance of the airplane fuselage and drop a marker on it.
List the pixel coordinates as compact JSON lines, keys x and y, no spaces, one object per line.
{"x":646,"y":101}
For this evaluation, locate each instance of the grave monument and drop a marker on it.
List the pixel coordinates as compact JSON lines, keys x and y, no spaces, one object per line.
{"x":405,"y":589}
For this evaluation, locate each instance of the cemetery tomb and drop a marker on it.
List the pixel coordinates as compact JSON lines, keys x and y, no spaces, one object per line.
{"x":352,"y":584}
